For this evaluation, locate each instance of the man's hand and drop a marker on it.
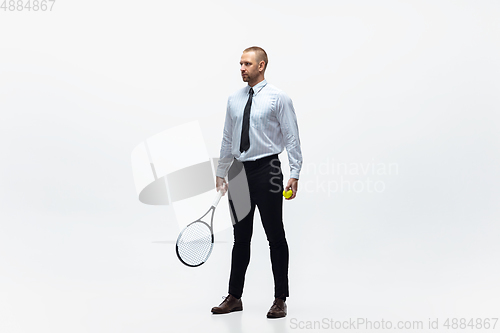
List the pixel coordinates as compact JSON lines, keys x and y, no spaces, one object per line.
{"x":221,"y":185}
{"x":293,"y":184}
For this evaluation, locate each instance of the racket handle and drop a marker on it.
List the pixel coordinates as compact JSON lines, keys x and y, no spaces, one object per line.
{"x":217,"y":199}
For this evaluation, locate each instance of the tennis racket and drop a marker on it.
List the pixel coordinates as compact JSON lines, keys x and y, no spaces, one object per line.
{"x":195,"y":242}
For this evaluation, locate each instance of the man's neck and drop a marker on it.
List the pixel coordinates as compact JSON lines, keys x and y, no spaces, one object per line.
{"x":253,"y":84}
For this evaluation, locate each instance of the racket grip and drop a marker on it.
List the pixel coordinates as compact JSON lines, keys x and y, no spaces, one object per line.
{"x":217,"y":199}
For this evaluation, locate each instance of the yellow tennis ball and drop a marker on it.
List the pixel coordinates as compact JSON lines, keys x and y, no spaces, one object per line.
{"x":287,"y":194}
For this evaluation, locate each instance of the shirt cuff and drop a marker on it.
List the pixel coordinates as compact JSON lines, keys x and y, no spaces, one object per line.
{"x":221,"y":173}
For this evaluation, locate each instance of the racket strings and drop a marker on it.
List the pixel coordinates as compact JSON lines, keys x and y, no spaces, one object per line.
{"x":195,"y":244}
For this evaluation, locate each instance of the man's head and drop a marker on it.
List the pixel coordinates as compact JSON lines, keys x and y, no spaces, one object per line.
{"x":253,"y":65}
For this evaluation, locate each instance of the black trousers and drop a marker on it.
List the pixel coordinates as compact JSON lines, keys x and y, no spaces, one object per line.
{"x":265,"y":182}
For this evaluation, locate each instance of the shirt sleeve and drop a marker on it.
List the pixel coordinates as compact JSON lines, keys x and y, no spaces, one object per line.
{"x":226,"y":157}
{"x":290,"y":130}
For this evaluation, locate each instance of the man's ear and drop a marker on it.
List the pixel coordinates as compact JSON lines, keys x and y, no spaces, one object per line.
{"x":262,"y":65}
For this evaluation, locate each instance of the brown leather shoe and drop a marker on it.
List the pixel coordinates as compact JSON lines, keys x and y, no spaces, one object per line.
{"x":278,"y":310}
{"x":229,"y":304}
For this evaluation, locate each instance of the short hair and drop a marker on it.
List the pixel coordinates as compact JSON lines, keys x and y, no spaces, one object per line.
{"x":260,"y":54}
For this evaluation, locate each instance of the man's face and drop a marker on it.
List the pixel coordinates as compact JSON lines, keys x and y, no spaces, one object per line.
{"x":249,"y":67}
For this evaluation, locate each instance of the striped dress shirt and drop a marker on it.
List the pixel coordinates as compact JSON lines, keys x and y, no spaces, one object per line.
{"x":273,"y":126}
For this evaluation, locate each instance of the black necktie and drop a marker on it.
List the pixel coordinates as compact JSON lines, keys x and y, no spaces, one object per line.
{"x":245,"y":138}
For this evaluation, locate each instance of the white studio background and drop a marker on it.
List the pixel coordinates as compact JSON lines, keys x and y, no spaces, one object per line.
{"x":397,"y":214}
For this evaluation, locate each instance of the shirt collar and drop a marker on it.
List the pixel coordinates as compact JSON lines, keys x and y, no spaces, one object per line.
{"x":258,"y":87}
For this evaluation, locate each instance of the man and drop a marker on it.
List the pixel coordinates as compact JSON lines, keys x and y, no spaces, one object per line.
{"x":260,"y":122}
